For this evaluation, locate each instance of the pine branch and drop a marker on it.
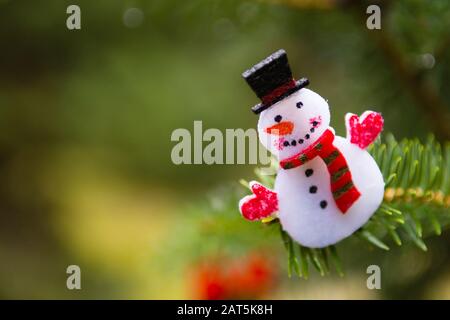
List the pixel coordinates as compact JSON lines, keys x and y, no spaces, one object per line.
{"x":416,"y":203}
{"x":417,"y":194}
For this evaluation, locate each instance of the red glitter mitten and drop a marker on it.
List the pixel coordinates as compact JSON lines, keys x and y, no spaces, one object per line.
{"x":363,"y":130}
{"x":261,"y":204}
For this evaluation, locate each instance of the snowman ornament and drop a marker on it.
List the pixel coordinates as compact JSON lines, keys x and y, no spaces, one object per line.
{"x":327,"y":186}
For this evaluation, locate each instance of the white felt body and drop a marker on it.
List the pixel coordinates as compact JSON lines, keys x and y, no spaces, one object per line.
{"x":300,"y":213}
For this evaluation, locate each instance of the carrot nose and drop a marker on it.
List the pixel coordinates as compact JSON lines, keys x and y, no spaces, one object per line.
{"x":281,"y":129}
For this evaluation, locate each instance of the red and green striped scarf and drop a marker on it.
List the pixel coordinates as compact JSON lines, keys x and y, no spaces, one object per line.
{"x":344,"y":191}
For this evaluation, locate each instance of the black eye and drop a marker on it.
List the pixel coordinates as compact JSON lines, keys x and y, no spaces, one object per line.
{"x":299,"y":104}
{"x":277,"y":118}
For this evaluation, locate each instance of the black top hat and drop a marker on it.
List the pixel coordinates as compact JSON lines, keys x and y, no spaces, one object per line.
{"x":272,"y":80}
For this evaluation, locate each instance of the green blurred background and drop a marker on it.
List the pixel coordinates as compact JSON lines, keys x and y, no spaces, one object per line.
{"x":86,"y":118}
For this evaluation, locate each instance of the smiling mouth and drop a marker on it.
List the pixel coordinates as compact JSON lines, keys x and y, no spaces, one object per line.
{"x":302,"y":139}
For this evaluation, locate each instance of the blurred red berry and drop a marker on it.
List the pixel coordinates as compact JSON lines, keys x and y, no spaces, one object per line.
{"x":249,"y":277}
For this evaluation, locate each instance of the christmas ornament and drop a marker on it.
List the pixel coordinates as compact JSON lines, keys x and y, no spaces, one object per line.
{"x":327,"y":186}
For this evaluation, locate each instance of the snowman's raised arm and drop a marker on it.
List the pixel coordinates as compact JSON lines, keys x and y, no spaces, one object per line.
{"x":363,"y":130}
{"x":261,"y":204}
